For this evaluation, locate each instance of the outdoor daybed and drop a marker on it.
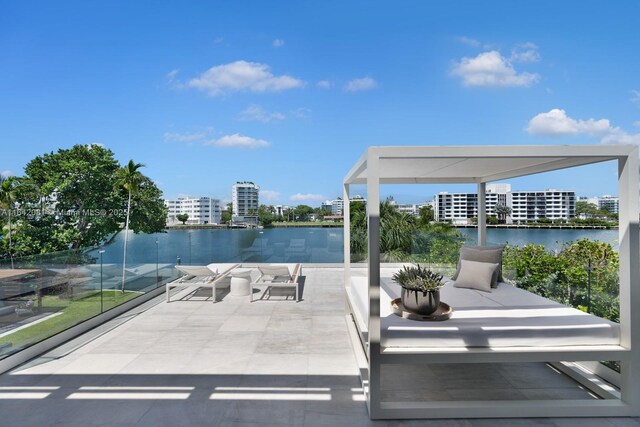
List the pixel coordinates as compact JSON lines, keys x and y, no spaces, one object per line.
{"x":505,"y":317}
{"x":509,"y":324}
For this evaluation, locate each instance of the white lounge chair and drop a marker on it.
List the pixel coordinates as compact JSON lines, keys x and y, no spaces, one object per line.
{"x":209,"y":276}
{"x":297,"y":249}
{"x":259,"y":248}
{"x":278,"y":276}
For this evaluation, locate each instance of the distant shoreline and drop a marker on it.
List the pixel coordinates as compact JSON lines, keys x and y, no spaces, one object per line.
{"x":274,"y":225}
{"x":542,"y":226}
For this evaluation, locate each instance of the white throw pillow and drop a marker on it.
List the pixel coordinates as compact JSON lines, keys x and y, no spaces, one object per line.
{"x":475,"y":275}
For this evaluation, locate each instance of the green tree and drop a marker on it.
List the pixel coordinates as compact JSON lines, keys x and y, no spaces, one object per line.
{"x":66,"y":192}
{"x":8,"y":201}
{"x":183,"y":218}
{"x":425,"y":215}
{"x":69,"y":199}
{"x":225,"y":217}
{"x":302,"y":212}
{"x":502,"y":212}
{"x":321,"y":212}
{"x":265,"y":215}
{"x":587,"y":209}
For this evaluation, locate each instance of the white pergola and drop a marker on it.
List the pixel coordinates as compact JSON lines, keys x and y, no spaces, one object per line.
{"x":479,"y":165}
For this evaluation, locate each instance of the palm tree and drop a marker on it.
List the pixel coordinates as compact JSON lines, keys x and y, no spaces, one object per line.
{"x":8,"y":199}
{"x":129,"y":178}
{"x":502,"y":212}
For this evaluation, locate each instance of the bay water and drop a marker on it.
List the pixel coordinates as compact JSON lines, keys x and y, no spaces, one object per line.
{"x":303,"y":244}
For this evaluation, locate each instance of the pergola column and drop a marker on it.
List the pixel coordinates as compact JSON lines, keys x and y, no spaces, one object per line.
{"x":482,"y":214}
{"x":629,"y":251}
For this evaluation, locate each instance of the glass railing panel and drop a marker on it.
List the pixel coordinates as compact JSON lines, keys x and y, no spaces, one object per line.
{"x":43,"y":295}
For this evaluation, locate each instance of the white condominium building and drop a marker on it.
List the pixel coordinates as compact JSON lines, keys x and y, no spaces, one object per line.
{"x":201,"y":210}
{"x":245,"y":202}
{"x":336,"y":207}
{"x":460,"y":207}
{"x":534,"y":205}
{"x":609,"y":203}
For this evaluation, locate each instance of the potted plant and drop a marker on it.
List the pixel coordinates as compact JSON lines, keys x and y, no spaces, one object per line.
{"x":420,"y":289}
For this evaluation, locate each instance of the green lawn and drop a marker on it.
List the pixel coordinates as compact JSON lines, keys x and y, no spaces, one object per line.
{"x":73,"y":312}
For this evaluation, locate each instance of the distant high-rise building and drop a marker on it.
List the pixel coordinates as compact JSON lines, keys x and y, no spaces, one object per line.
{"x":245,"y":202}
{"x":533,"y":205}
{"x":201,"y":210}
{"x":609,"y":203}
{"x":525,"y":205}
{"x":460,"y":207}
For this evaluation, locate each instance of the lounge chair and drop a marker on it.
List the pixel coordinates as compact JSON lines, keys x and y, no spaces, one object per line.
{"x":209,"y":276}
{"x":259,"y":248}
{"x":297,"y":249}
{"x":278,"y":276}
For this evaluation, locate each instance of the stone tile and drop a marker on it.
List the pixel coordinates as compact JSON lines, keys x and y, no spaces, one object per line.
{"x":266,"y":412}
{"x":203,"y":363}
{"x":255,"y":323}
{"x":332,"y":364}
{"x":183,"y":413}
{"x":274,"y":364}
{"x":158,"y":364}
{"x":232,"y":343}
{"x":284,"y":342}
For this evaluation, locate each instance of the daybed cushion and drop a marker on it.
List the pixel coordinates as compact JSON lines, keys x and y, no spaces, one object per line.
{"x":483,"y":254}
{"x":506,"y":317}
{"x":476,"y":275}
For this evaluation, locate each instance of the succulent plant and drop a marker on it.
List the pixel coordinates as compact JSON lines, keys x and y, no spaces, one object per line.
{"x":418,"y":279}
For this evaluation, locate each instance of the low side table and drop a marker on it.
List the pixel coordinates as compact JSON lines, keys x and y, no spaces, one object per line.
{"x":240,"y":282}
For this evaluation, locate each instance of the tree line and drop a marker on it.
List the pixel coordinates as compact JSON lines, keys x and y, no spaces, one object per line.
{"x":76,"y":198}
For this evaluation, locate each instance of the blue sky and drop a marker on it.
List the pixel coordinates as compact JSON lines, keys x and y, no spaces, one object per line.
{"x":290,"y":94}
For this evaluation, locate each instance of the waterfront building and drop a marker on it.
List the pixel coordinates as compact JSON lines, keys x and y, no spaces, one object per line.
{"x":201,"y":210}
{"x":609,"y":203}
{"x":528,"y":206}
{"x":459,"y":208}
{"x":281,"y":210}
{"x":245,"y":202}
{"x":336,"y":206}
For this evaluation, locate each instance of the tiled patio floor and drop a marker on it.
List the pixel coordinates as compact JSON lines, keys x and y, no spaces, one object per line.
{"x":235,"y":363}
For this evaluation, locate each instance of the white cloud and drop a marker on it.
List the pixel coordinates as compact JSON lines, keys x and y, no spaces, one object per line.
{"x":237,"y":140}
{"x":171,"y":79}
{"x":184,"y":137}
{"x":301,"y":113}
{"x":270,"y":195}
{"x":325,"y":84}
{"x":277,"y":43}
{"x":299,"y":197}
{"x":255,"y":112}
{"x":618,"y":136}
{"x":526,"y":52}
{"x":635,"y":96}
{"x":242,"y":76}
{"x":491,"y":69}
{"x":556,"y":123}
{"x":468,"y":41}
{"x":6,"y":173}
{"x":356,"y":85}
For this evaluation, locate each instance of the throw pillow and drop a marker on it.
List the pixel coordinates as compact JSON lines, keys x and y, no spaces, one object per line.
{"x":476,"y":275}
{"x":483,"y":254}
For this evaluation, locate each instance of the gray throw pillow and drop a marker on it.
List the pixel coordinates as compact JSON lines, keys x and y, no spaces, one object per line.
{"x":476,"y":275}
{"x":491,"y":254}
